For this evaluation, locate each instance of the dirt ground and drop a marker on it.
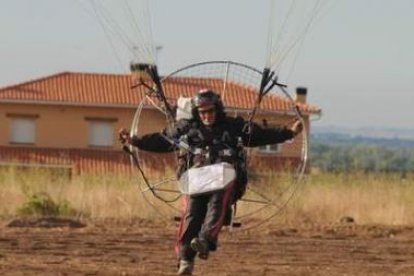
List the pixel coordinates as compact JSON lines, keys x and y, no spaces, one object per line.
{"x":146,"y":248}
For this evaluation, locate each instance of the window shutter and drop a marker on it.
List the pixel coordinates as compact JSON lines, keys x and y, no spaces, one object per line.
{"x":23,"y":131}
{"x":100,"y":133}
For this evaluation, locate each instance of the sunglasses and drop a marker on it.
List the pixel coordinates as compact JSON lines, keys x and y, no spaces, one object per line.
{"x":205,"y":111}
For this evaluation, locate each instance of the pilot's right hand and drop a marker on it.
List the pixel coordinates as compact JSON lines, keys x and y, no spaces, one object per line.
{"x":297,"y":127}
{"x":124,"y":136}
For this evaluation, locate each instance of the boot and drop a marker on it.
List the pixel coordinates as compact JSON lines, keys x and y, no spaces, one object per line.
{"x":201,"y":247}
{"x":185,"y":268}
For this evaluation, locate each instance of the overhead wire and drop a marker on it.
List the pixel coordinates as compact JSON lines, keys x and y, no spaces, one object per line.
{"x":146,"y":47}
{"x":319,"y":9}
{"x":281,"y":31}
{"x":302,"y":34}
{"x":281,"y":49}
{"x":114,"y":31}
{"x":111,"y":24}
{"x":269,"y":34}
{"x":105,"y":30}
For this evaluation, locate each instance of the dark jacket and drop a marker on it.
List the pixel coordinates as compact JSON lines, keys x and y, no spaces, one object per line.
{"x":222,"y":142}
{"x":226,"y":131}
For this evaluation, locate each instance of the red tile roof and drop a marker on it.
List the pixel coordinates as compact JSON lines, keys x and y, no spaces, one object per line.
{"x":78,"y":88}
{"x":111,"y":89}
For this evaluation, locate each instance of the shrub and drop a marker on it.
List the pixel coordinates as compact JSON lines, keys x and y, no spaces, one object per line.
{"x":41,"y":204}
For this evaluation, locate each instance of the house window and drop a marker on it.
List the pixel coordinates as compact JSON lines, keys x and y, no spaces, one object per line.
{"x":271,"y":149}
{"x":22,"y":129}
{"x":275,"y":148}
{"x":101,"y":132}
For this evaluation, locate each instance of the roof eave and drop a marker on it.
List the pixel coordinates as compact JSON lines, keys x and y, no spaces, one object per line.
{"x":132,"y":106}
{"x":273,"y":112}
{"x":77,"y":104}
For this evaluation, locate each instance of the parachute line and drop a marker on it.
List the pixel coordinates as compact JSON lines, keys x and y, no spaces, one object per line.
{"x":134,"y":35}
{"x":295,"y":20}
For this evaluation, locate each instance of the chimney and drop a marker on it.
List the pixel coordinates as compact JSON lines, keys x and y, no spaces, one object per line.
{"x":301,"y":94}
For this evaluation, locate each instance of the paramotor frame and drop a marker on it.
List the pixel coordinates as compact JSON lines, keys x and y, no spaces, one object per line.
{"x":226,"y":75}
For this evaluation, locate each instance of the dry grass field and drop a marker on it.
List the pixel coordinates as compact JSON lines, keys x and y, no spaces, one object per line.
{"x":121,"y":235}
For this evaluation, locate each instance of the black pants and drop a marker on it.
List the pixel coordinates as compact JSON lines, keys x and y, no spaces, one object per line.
{"x":203,"y":217}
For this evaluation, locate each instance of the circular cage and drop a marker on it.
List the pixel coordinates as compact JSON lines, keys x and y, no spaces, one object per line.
{"x":274,"y":172}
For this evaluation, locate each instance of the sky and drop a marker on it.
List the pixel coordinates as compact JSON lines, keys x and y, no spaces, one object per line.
{"x":356,"y":60}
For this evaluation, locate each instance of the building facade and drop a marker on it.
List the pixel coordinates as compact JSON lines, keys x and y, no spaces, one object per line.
{"x":71,"y":120}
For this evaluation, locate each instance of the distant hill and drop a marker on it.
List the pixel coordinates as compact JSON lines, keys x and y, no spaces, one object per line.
{"x":396,"y":138}
{"x":388,"y":133}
